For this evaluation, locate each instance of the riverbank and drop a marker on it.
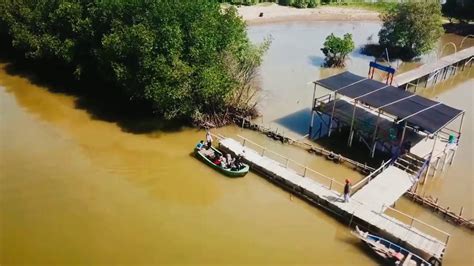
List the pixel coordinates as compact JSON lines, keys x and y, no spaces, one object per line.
{"x":273,"y":13}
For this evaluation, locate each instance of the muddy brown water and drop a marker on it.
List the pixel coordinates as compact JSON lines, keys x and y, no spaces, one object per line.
{"x":77,"y":189}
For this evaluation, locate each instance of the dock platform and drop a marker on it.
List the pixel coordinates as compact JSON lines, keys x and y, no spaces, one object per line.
{"x":426,"y":70}
{"x":367,"y":205}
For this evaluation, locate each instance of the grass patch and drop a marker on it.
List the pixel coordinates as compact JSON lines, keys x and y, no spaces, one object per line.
{"x":378,"y":6}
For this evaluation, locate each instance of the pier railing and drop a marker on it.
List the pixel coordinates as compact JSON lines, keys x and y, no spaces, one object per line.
{"x":300,"y":169}
{"x":412,"y":221}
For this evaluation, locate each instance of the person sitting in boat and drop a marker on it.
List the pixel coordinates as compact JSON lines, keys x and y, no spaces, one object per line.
{"x":230,"y":161}
{"x":238,"y":162}
{"x":217,"y":160}
{"x":223,"y":162}
{"x":200,"y":145}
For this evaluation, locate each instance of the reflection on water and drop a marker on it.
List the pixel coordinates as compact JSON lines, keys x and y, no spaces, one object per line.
{"x":77,"y":188}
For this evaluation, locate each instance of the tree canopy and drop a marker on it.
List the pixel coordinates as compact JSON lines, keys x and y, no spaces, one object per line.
{"x":185,"y":58}
{"x":412,"y":27}
{"x":336,"y":49}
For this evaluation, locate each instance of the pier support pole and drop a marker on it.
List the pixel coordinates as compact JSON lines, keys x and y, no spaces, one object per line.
{"x":332,"y":114}
{"x":310,"y":133}
{"x":374,"y":137}
{"x":429,"y":159}
{"x":351,"y":131}
{"x":403,"y":132}
{"x":457,"y":141}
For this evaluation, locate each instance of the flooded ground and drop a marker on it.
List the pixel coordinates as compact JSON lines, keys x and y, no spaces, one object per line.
{"x":77,"y":189}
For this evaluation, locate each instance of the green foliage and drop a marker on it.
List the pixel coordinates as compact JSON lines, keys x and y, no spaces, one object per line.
{"x":294,"y":3}
{"x":413,"y":27}
{"x":336,"y":49}
{"x":180,"y":57}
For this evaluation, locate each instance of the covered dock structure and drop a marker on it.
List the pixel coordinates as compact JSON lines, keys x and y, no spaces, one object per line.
{"x":384,"y":117}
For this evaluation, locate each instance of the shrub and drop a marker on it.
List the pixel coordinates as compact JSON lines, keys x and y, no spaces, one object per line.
{"x":336,"y":49}
{"x":412,"y":27}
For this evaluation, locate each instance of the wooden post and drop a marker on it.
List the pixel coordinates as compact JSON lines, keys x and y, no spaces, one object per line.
{"x":243,"y":144}
{"x":310,"y":132}
{"x":453,"y":152}
{"x":374,"y":137}
{"x":445,"y":160}
{"x":459,"y":137}
{"x":304,"y":173}
{"x":436,"y":166}
{"x":330,"y":184}
{"x":312,"y":112}
{"x":429,"y":159}
{"x":351,"y":131}
{"x":426,"y":175}
{"x":403,"y":133}
{"x":352,"y":216}
{"x":332,"y":114}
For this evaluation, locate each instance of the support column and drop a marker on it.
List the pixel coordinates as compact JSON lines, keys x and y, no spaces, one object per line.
{"x":430,"y":158}
{"x":332,"y":114}
{"x":351,"y":131}
{"x":374,"y":137}
{"x":403,"y":133}
{"x":310,"y":133}
{"x":457,"y":141}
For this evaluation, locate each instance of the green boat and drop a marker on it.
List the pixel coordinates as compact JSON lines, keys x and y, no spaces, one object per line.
{"x":201,"y":154}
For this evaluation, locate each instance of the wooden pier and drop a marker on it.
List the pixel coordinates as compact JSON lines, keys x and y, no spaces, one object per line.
{"x":368,"y":206}
{"x":440,"y":69}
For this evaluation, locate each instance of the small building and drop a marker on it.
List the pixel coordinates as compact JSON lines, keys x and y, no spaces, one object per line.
{"x":384,"y":117}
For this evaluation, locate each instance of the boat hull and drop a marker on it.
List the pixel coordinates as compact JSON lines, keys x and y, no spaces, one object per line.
{"x":391,"y":253}
{"x":230,"y":173}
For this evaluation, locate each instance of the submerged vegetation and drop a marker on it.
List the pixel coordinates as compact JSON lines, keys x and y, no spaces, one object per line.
{"x":184,"y":59}
{"x":336,"y":49}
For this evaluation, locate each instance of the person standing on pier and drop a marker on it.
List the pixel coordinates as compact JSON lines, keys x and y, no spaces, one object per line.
{"x":208,"y":139}
{"x":347,"y":190}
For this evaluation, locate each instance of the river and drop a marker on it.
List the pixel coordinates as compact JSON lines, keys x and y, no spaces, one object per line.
{"x":78,"y":189}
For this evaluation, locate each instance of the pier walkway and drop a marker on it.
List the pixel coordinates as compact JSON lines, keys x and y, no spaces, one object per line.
{"x":367,"y":205}
{"x":386,"y":189}
{"x":426,"y":70}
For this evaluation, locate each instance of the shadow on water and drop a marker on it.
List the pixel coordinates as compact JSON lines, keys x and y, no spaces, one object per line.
{"x":358,"y":151}
{"x":99,"y":100}
{"x":315,"y":60}
{"x":462,"y":29}
{"x":298,"y":122}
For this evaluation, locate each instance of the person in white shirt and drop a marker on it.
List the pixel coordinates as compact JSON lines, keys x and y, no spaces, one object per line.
{"x":208,"y":139}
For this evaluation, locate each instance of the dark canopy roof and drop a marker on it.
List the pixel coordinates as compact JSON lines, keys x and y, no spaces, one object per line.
{"x":429,"y":115}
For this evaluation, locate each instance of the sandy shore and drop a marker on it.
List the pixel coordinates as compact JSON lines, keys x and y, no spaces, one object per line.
{"x":276,"y":13}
